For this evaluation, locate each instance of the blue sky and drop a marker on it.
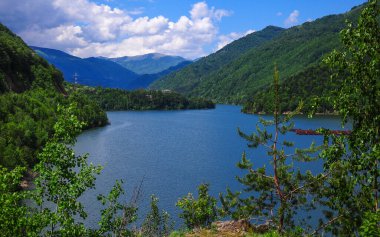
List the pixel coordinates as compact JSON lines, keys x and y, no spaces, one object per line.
{"x":188,"y":28}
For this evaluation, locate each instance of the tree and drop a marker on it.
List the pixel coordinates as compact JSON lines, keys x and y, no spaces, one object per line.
{"x":274,"y":195}
{"x":63,"y":178}
{"x":156,"y":224}
{"x":354,"y":185}
{"x":199,"y":212}
{"x":112,"y":223}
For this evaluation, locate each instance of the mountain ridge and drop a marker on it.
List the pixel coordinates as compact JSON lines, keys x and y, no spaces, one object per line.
{"x":148,"y":63}
{"x":293,"y":50}
{"x":91,"y":71}
{"x":188,"y":78}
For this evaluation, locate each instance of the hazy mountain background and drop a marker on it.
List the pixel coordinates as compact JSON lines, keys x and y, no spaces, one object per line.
{"x":148,"y":63}
{"x":105,"y":72}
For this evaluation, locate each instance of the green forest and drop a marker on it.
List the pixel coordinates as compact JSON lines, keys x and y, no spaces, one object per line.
{"x":296,"y":89}
{"x":40,"y":119}
{"x":117,"y":99}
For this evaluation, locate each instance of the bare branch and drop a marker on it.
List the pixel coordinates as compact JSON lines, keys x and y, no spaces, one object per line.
{"x":326,"y":224}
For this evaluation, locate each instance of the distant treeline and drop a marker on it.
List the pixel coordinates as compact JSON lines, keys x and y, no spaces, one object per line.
{"x":117,"y":99}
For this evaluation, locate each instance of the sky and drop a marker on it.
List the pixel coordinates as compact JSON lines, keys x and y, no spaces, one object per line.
{"x":187,"y":28}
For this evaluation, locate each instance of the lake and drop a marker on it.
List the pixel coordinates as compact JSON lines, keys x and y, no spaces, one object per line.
{"x":172,"y":152}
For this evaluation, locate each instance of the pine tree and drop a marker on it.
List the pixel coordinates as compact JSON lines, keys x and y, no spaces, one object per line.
{"x":274,"y":195}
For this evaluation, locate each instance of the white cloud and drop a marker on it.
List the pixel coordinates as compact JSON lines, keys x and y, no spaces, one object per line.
{"x":85,"y":28}
{"x":200,"y":10}
{"x":292,"y":18}
{"x":226,"y":39}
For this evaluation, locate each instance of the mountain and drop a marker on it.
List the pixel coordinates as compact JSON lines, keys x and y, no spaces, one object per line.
{"x":21,"y":68}
{"x":145,"y":80}
{"x":148,"y":63}
{"x":31,"y":91}
{"x":292,"y":50}
{"x":90,"y":71}
{"x":185,"y":80}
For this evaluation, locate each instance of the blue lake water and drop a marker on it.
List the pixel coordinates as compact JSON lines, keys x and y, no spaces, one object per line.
{"x":172,"y":152}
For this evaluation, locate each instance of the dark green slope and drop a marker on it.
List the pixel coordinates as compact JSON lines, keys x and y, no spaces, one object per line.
{"x":188,"y":78}
{"x":30,"y":91}
{"x":311,"y":83}
{"x":21,"y":68}
{"x":294,"y":50}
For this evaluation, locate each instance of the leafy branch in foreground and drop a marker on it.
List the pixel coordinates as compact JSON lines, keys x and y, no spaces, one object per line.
{"x":276,"y":195}
{"x":63,"y":178}
{"x":199,"y":212}
{"x":354,"y":186}
{"x":112,"y":223}
{"x":156,"y":224}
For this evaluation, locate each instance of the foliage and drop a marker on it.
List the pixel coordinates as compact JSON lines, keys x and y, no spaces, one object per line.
{"x":371,"y":224}
{"x":116,"y":99}
{"x":63,"y":178}
{"x":13,"y":219}
{"x":21,"y":68}
{"x":274,"y":197}
{"x":354,"y":185}
{"x":27,"y":119}
{"x":294,"y":50}
{"x":156,"y":224}
{"x":199,"y":212}
{"x":111,"y":223}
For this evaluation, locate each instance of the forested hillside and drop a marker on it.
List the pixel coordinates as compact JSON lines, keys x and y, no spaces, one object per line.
{"x":294,"y":50}
{"x":30,"y":91}
{"x":190,"y":77}
{"x":21,"y":68}
{"x":305,"y":86}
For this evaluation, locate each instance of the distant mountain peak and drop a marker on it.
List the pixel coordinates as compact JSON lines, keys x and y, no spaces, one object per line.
{"x":151,"y":63}
{"x":93,"y":71}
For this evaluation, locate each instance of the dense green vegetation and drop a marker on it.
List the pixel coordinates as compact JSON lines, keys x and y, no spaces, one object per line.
{"x":27,"y":118}
{"x":235,"y":81}
{"x":305,"y":86}
{"x":354,"y":185}
{"x":115,"y":99}
{"x":21,"y":68}
{"x":187,"y":79}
